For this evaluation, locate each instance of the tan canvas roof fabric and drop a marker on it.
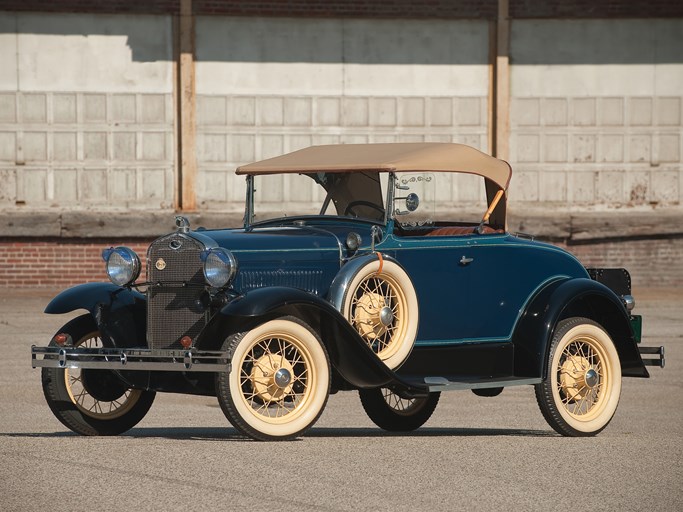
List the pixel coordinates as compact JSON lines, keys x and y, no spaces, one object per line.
{"x":398,"y":157}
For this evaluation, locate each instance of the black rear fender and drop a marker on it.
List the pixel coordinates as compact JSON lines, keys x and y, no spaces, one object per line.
{"x":349,"y":355}
{"x":565,"y":299}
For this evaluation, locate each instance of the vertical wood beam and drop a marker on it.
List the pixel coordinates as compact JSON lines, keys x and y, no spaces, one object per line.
{"x":491,"y":103}
{"x":501,"y":108}
{"x":187,"y":143}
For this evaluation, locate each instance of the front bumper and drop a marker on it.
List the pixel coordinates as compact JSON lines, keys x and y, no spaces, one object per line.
{"x":136,"y":359}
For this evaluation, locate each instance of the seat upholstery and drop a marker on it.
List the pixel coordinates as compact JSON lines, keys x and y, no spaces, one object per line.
{"x":460,"y":230}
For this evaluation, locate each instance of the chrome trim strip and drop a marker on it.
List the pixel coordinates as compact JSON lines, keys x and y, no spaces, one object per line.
{"x":443,"y":384}
{"x":130,"y":359}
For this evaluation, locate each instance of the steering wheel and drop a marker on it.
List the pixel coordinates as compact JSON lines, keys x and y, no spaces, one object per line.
{"x":353,"y":204}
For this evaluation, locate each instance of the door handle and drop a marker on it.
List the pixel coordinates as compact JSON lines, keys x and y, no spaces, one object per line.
{"x":466,"y":261}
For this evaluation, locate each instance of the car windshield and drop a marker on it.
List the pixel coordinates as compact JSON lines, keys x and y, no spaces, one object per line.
{"x":421,"y":199}
{"x":353,"y":194}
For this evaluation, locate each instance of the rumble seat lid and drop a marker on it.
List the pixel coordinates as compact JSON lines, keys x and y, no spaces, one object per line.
{"x":390,"y":157}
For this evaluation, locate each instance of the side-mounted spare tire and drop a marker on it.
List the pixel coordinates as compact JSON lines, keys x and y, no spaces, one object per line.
{"x":381,"y":304}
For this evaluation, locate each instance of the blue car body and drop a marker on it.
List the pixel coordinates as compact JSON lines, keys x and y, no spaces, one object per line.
{"x":486,"y":303}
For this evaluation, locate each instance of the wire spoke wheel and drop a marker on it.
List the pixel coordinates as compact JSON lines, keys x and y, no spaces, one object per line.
{"x":87,"y":390}
{"x":581,"y":378}
{"x":401,"y":406}
{"x":92,"y":402}
{"x":394,"y":413}
{"x":377,"y":309}
{"x":382,"y":307}
{"x":279,"y":382}
{"x":276,"y":377}
{"x":581,"y":393}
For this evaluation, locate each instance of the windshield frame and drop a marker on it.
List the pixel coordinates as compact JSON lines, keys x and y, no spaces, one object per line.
{"x":389,"y":219}
{"x":250,"y":204}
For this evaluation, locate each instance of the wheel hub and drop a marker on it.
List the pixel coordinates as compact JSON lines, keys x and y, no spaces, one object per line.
{"x":372,"y":316}
{"x":577,"y":377}
{"x":386,"y":316}
{"x":282,"y":378}
{"x":271,"y":377}
{"x":591,"y":378}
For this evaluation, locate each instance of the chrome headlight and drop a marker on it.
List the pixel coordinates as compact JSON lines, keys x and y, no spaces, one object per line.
{"x":220,"y":267}
{"x":122,"y":265}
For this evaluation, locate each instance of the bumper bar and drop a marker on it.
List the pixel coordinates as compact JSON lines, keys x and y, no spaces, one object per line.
{"x":658,"y":352}
{"x":130,"y":359}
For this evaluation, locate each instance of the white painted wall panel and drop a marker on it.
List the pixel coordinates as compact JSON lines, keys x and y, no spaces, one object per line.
{"x":270,"y":86}
{"x":596,"y":112}
{"x":86,"y":111}
{"x":85,"y":52}
{"x":341,"y":57}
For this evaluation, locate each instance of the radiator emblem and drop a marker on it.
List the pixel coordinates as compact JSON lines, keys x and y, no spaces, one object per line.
{"x":160,"y":264}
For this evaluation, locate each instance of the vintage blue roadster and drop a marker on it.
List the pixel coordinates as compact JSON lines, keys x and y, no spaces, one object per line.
{"x":367,"y":278}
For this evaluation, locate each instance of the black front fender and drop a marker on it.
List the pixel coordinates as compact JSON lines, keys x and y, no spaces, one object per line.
{"x":567,"y":298}
{"x":349,"y":354}
{"x":120,"y":313}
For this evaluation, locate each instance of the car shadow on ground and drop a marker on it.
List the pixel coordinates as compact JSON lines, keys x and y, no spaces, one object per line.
{"x":230,"y":434}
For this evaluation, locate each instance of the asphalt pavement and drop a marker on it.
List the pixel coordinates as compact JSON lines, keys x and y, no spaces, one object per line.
{"x":474,"y":453}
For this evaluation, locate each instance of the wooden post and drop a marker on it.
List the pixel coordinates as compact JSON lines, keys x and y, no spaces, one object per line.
{"x":187,"y":198}
{"x":501,"y":72}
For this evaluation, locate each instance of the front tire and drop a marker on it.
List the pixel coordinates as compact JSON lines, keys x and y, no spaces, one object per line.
{"x":279,"y":381}
{"x":92,"y":402}
{"x":390,"y":412}
{"x":581,"y":392}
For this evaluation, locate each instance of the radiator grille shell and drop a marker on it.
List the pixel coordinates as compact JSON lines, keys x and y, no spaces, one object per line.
{"x":174,"y":310}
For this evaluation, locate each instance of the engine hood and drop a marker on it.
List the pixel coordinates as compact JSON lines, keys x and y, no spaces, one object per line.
{"x":302,"y":257}
{"x":315,"y":242}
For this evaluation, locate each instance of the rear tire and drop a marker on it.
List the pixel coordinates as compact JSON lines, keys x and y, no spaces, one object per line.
{"x":581,"y":391}
{"x":390,"y":412}
{"x":92,"y":402}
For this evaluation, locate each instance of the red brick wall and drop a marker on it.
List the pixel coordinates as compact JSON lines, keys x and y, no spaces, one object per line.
{"x":651,"y":262}
{"x":595,"y":8}
{"x":58,"y":263}
{"x":94,"y":6}
{"x":415,"y":9}
{"x":61,"y":263}
{"x":478,"y":9}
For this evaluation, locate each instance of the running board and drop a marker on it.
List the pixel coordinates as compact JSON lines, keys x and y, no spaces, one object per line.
{"x":443,"y":384}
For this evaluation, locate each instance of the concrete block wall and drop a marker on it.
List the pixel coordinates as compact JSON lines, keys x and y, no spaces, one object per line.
{"x":270,"y":86}
{"x":234,"y":130}
{"x":596,"y":113}
{"x":86,"y":112}
{"x":75,"y":149}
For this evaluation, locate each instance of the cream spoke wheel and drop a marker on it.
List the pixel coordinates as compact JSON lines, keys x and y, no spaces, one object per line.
{"x":279,"y":381}
{"x":88,"y":401}
{"x":381,"y":305}
{"x":581,"y":392}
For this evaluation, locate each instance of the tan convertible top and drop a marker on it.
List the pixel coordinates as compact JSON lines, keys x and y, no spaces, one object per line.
{"x":398,"y":157}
